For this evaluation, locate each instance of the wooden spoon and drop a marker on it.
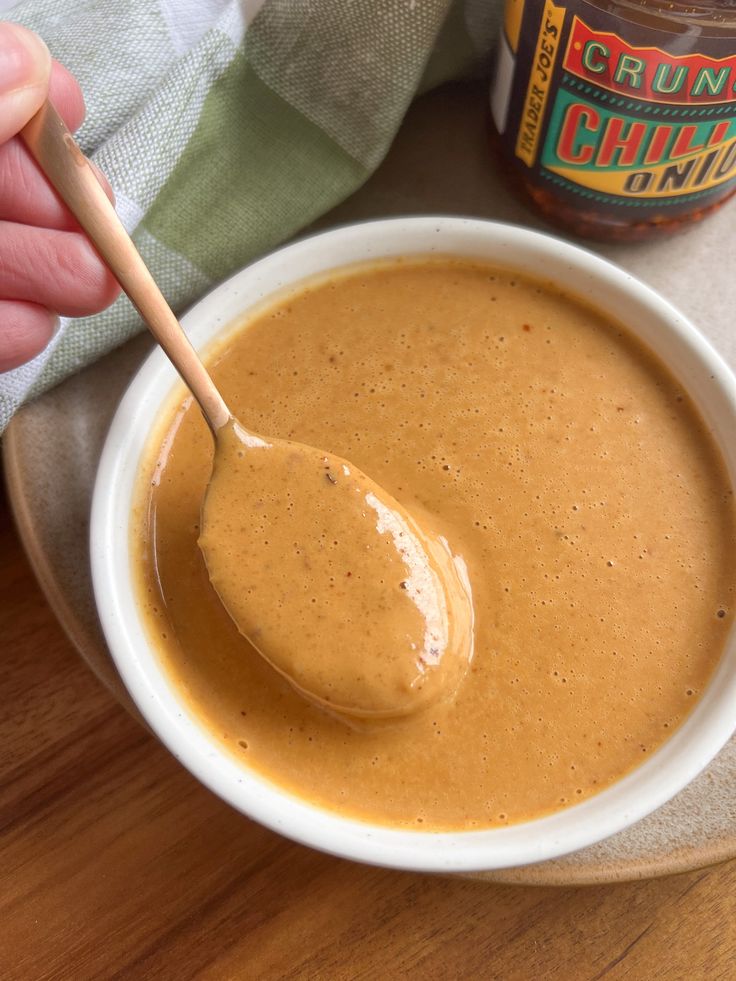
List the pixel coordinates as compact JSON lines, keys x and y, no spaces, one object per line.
{"x":331,"y":580}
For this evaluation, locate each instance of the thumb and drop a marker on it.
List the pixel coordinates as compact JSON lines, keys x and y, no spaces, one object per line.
{"x":25,"y":64}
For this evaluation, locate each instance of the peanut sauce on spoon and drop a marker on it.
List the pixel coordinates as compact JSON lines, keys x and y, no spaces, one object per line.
{"x":332,"y":580}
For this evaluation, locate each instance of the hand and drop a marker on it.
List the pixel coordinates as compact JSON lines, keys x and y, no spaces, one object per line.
{"x":47,"y":265}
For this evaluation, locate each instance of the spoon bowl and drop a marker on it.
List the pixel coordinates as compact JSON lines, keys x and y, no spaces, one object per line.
{"x":363,"y":611}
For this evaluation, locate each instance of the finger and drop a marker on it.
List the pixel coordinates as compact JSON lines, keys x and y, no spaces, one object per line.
{"x":57,"y":269}
{"x":25,"y":330}
{"x":25,"y":64}
{"x":66,"y":95}
{"x":25,"y":194}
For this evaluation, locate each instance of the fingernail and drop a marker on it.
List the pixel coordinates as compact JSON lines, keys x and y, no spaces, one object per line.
{"x":25,"y":60}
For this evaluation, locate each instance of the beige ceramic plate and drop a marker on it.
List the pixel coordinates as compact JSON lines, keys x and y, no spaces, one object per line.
{"x":440,"y":163}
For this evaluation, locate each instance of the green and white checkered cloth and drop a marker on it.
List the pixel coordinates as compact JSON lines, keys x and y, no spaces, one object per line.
{"x":225,"y":126}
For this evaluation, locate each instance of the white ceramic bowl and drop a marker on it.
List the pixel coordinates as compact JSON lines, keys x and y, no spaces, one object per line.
{"x":691,"y":359}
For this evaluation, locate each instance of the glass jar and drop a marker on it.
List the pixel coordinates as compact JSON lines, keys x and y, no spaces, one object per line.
{"x":617,"y":119}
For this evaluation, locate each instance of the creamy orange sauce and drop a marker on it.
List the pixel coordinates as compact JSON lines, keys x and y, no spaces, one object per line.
{"x":560,"y":460}
{"x":336,"y":585}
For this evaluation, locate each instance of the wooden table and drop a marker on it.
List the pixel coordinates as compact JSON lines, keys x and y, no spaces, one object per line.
{"x":114,"y":862}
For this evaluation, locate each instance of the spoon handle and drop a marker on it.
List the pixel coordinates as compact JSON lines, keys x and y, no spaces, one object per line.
{"x":55,"y":150}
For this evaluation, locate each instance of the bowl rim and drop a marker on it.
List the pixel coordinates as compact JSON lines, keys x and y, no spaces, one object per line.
{"x":684,"y":754}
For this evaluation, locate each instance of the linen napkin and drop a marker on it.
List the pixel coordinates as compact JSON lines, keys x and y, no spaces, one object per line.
{"x":225,"y":126}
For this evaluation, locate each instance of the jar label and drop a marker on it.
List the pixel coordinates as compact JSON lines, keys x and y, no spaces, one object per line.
{"x":616,"y":112}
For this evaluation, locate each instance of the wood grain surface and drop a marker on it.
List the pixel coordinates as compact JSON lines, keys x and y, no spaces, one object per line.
{"x":115,"y":863}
